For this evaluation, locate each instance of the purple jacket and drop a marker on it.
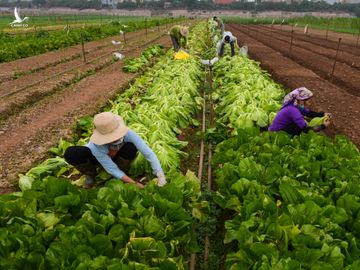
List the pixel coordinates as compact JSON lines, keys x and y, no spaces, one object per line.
{"x":289,"y":115}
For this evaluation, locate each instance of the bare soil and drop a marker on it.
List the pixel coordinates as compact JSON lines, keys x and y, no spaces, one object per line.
{"x":26,"y":136}
{"x":318,"y":35}
{"x":29,"y":88}
{"x":349,"y":55}
{"x":328,"y":96}
{"x":345,"y":76}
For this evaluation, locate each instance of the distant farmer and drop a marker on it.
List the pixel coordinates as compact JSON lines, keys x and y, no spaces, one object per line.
{"x":112,"y":145}
{"x":227,"y":38}
{"x":178,"y":35}
{"x":220,"y":24}
{"x":290,"y":118}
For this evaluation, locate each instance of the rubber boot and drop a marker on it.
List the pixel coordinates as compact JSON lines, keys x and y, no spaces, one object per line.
{"x":89,"y":170}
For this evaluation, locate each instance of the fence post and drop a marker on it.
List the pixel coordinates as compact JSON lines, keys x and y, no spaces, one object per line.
{"x":333,"y":68}
{"x":82,"y":46}
{"x":146,"y":30}
{"x":357,"y":41}
{"x":291,"y":41}
{"x":327,"y":29}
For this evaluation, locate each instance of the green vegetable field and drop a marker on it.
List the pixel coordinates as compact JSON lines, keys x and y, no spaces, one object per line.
{"x":275,"y":202}
{"x":14,"y":47}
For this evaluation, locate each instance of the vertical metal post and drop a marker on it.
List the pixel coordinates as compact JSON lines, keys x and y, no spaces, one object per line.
{"x":291,"y":41}
{"x":146,"y":30}
{"x":83,"y":47}
{"x":333,"y":68}
{"x":211,"y":99}
{"x":357,"y":41}
{"x":327,"y":29}
{"x":124,"y":35}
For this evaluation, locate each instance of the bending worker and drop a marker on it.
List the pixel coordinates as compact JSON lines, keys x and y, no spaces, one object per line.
{"x":290,"y":118}
{"x":178,"y":35}
{"x":112,"y":145}
{"x":220,"y":24}
{"x":227,"y":38}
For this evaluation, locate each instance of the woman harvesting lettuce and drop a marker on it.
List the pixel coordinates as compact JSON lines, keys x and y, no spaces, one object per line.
{"x":290,"y":118}
{"x":112,"y":145}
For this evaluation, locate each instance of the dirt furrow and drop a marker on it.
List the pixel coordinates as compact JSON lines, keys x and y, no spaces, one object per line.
{"x":318,"y":37}
{"x":26,"y":66}
{"x":343,"y":56}
{"x":344,"y":76}
{"x":25,"y":97}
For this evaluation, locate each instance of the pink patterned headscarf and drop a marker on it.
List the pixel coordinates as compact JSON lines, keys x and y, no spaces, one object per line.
{"x":300,"y":93}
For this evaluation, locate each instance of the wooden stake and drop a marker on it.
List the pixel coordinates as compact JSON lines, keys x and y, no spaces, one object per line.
{"x":146,"y":30}
{"x":333,"y":68}
{"x":83,"y":47}
{"x":291,"y":41}
{"x":327,"y":29}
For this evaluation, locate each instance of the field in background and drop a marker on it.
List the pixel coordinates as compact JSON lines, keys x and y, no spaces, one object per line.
{"x":344,"y":25}
{"x":59,"y":21}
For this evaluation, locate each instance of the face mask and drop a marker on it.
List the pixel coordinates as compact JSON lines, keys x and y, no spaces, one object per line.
{"x":301,"y":106}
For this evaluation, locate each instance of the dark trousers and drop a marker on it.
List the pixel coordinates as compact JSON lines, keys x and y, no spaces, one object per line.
{"x":223,"y":47}
{"x":175,"y":43}
{"x":293,"y":130}
{"x":82,"y":158}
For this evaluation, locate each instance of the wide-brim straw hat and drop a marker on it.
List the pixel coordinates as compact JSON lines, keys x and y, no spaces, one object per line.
{"x":184,"y":30}
{"x":108,"y":127}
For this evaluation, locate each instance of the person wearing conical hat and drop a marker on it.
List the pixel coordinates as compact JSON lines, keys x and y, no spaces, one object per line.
{"x":178,"y":35}
{"x":290,"y":118}
{"x":220,"y":24}
{"x":112,"y":145}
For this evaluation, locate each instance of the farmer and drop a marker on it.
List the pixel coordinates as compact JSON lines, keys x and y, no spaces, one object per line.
{"x":178,"y":36}
{"x":227,"y":38}
{"x":112,"y":145}
{"x":290,"y":118}
{"x":220,"y":24}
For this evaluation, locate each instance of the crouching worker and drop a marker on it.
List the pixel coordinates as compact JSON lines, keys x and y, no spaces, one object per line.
{"x":112,"y":145}
{"x":290,"y":118}
{"x":220,"y":24}
{"x":178,"y":35}
{"x":227,"y":38}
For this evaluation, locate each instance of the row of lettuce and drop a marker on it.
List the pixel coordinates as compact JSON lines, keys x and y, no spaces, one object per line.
{"x":13,"y":47}
{"x":294,"y":203}
{"x":54,"y":224}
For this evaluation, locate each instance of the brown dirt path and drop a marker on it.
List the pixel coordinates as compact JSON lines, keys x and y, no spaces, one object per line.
{"x":29,"y":134}
{"x":345,"y":76}
{"x":328,"y":97}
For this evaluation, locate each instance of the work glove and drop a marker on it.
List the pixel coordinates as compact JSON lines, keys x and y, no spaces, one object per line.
{"x":161,"y":179}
